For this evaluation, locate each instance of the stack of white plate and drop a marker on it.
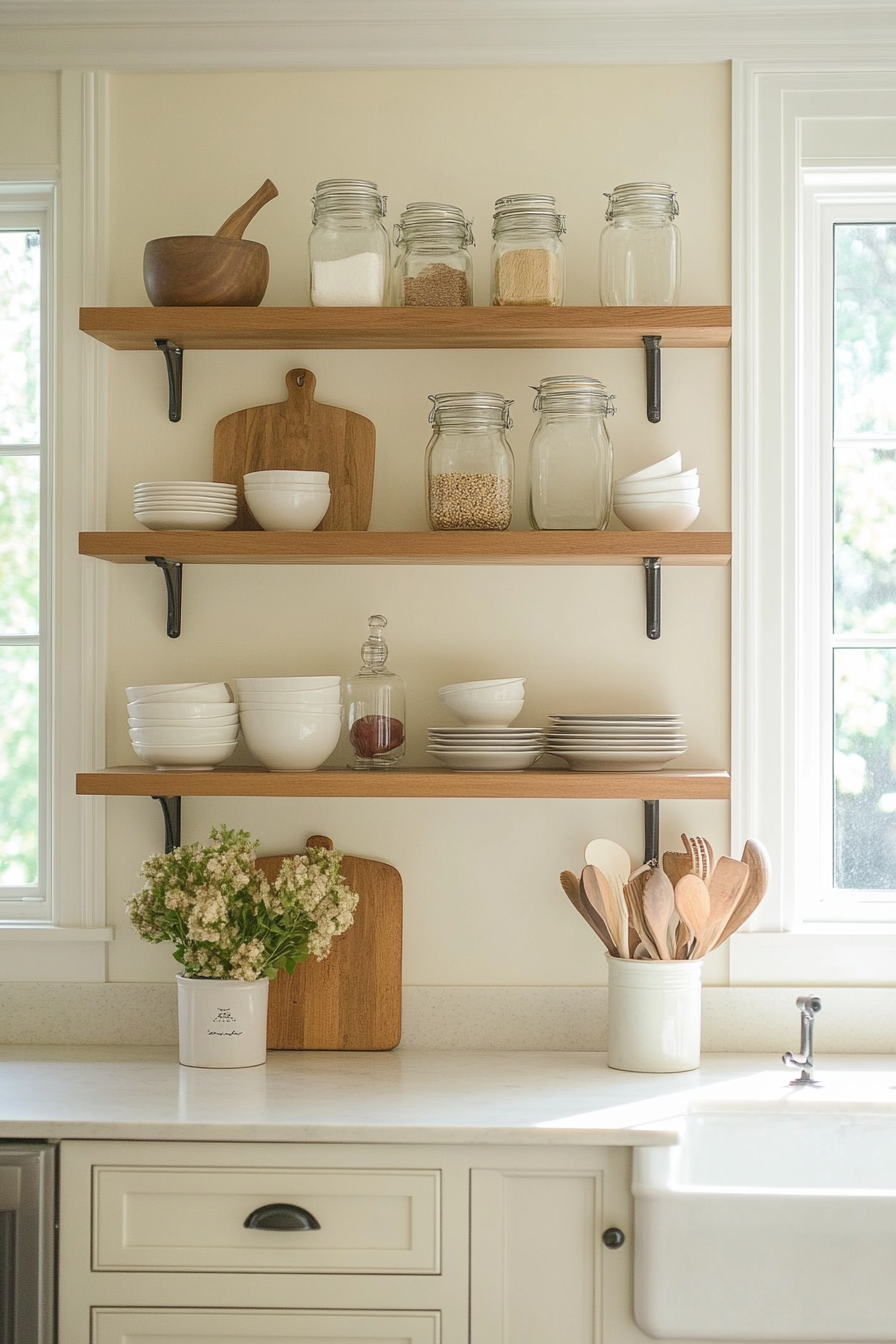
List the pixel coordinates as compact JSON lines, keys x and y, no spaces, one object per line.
{"x":661,"y":497}
{"x":183,"y":725}
{"x":486,"y":748}
{"x":616,"y":741}
{"x":206,"y":506}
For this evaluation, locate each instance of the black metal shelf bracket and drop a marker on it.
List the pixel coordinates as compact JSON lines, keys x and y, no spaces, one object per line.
{"x":174,"y":586}
{"x":652,"y":831}
{"x":171,"y":813}
{"x":654,"y":404}
{"x":652,"y":574}
{"x":174,"y":362}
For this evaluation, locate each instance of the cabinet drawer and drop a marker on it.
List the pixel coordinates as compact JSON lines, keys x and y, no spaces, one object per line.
{"x":116,"y":1325}
{"x":191,"y":1219}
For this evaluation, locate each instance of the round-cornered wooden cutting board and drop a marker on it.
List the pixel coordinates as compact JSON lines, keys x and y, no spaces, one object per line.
{"x":352,"y":999}
{"x":301,"y":434}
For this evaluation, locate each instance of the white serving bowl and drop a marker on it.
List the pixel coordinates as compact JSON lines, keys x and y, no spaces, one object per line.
{"x":162,"y":735}
{"x":505,"y":688}
{"x":139,"y":726}
{"x":326,"y":695}
{"x":660,"y":497}
{"x":182,"y":692}
{"x":291,"y":740}
{"x":288,"y":477}
{"x":242,"y":684}
{"x":252,"y":707}
{"x":667,"y":466}
{"x":287,"y":487}
{"x":656,"y":517}
{"x":684,"y":480}
{"x":196,"y":711}
{"x":202,"y":756}
{"x":288,"y":510}
{"x":485,"y":713}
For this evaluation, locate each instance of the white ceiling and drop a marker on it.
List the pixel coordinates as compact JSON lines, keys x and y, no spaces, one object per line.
{"x":321,"y":34}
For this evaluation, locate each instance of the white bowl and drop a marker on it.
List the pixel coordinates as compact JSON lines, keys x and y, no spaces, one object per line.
{"x":184,"y":520}
{"x":509,"y":688}
{"x":242,"y":684}
{"x":183,"y":712}
{"x":660,"y":497}
{"x":311,"y":711}
{"x":326,"y":695}
{"x":485,"y":713}
{"x":684,"y":480}
{"x":139,"y":726}
{"x":291,"y":741}
{"x":294,"y":511}
{"x":162,"y":735}
{"x":286,"y":487}
{"x":203,"y":756}
{"x":205,"y":692}
{"x":290,"y":477}
{"x":656,"y":517}
{"x":667,"y":466}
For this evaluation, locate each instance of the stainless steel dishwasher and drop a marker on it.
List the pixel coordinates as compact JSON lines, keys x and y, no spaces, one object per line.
{"x":27,"y":1242}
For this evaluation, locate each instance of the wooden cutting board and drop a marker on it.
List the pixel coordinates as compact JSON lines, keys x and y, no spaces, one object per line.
{"x":352,"y":999}
{"x":301,"y":434}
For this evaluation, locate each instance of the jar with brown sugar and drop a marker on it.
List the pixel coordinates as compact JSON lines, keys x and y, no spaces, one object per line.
{"x":528,"y":256}
{"x":433,"y":268}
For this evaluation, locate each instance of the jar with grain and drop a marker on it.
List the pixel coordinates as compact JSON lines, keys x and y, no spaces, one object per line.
{"x":348,"y":248}
{"x":639,"y":253}
{"x":433,"y":268}
{"x":375,"y":703}
{"x":528,"y":256}
{"x":571,"y":456}
{"x":469,"y":465}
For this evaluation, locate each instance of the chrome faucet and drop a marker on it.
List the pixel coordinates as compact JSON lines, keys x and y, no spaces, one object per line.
{"x":808,"y":1005}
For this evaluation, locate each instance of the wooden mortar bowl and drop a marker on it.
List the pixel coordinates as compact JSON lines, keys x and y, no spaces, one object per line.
{"x":205,"y":270}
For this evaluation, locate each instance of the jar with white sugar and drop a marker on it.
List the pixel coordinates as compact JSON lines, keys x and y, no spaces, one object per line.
{"x":348,"y":247}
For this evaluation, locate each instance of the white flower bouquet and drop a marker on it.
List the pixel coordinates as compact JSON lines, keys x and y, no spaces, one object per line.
{"x":227,"y":921}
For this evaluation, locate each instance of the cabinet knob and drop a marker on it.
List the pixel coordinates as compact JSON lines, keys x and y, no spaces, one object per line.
{"x":614,"y":1237}
{"x":282,"y":1218}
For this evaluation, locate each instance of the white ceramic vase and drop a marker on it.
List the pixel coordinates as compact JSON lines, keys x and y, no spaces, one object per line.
{"x":222,"y":1024}
{"x":654,"y":1015}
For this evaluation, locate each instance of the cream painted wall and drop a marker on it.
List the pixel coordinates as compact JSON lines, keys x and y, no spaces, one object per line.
{"x":482,"y":900}
{"x":29,"y":120}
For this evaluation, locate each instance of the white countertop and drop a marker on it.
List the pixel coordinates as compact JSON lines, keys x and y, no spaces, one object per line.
{"x":406,"y":1096}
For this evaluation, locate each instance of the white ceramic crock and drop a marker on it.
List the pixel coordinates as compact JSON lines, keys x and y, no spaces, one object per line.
{"x":222,"y":1024}
{"x":654,"y":1015}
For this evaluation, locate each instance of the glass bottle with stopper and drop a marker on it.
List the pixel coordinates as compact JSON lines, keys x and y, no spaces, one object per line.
{"x":375,"y":705}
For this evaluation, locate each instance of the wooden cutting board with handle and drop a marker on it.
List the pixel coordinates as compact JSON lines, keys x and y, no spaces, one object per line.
{"x":301,"y":434}
{"x":352,"y":999}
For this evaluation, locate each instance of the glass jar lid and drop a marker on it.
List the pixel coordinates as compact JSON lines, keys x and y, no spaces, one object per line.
{"x":573,"y":392}
{"x":429,"y":219}
{"x":526,"y":211}
{"x":347,"y":193}
{"x":635,"y":197}
{"x":470,"y":409}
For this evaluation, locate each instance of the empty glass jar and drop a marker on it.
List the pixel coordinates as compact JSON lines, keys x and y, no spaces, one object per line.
{"x":469,"y":465}
{"x":639,"y":251}
{"x":348,"y":247}
{"x":528,"y":256}
{"x":571,"y":456}
{"x":433,"y":268}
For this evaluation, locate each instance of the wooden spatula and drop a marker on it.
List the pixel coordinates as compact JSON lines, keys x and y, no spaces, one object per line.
{"x":597,"y":892}
{"x":573,"y":888}
{"x":725,"y":886}
{"x":755,"y":856}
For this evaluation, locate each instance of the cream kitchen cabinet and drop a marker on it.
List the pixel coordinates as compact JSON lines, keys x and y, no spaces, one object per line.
{"x":417,"y":1244}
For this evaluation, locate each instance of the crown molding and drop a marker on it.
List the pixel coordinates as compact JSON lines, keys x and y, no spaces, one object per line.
{"x":377,"y":34}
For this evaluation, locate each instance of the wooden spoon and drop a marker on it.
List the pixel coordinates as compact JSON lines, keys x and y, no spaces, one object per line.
{"x":675,"y":865}
{"x":633,"y":891}
{"x":597,"y":892}
{"x":234,"y":224}
{"x":573,"y":888}
{"x":693,"y":905}
{"x":755,"y":856}
{"x":725,"y":887}
{"x":659,"y":909}
{"x":613,"y":861}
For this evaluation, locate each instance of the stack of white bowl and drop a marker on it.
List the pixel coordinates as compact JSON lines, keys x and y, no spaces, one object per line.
{"x":660,"y":498}
{"x":616,"y":741}
{"x":287,"y":501}
{"x":206,"y":506}
{"x":183,"y":725}
{"x":486,"y":742}
{"x":290,"y":723}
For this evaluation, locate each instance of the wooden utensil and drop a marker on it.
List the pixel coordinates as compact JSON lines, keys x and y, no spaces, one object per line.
{"x":755,"y":856}
{"x":352,"y":999}
{"x":693,"y":905}
{"x":301,"y":434}
{"x":700,"y":855}
{"x":597,"y":892}
{"x":221,"y":270}
{"x":676,"y":865}
{"x":573,"y":888}
{"x":725,"y":886}
{"x":659,"y":908}
{"x":634,"y":899}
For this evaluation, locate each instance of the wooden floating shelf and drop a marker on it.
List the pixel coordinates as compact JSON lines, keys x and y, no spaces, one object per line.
{"x":410,"y":548}
{"x":407,"y":328}
{"x":142,"y":782}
